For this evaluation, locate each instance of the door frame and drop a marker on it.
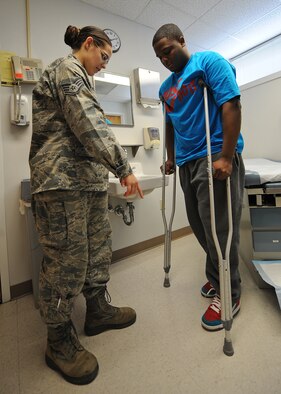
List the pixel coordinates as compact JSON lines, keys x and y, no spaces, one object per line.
{"x":4,"y":262}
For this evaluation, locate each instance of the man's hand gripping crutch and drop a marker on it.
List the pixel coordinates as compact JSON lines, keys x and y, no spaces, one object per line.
{"x":223,"y":258}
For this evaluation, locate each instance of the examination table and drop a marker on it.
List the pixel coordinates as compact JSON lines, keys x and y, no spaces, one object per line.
{"x":260,"y":230}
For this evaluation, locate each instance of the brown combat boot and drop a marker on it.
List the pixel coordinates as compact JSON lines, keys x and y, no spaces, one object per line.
{"x":66,"y":355}
{"x":102,"y":316}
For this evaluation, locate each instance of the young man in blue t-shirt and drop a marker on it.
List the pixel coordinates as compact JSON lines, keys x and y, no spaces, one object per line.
{"x":185,"y":130}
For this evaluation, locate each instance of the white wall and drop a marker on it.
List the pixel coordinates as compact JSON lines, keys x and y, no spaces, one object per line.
{"x":48,"y":24}
{"x":15,"y":143}
{"x":261,"y":117}
{"x":259,"y":78}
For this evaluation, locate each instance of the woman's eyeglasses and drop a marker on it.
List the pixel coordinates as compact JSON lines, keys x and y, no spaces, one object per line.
{"x":104,"y":56}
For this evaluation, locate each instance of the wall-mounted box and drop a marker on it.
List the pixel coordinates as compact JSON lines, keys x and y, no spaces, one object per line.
{"x":147,"y":85}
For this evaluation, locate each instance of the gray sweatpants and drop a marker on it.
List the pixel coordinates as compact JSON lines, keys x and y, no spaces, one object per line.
{"x":74,"y":232}
{"x":194,"y":183}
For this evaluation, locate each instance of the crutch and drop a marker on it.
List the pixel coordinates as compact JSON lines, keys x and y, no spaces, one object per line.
{"x":224,"y":266}
{"x":167,"y":227}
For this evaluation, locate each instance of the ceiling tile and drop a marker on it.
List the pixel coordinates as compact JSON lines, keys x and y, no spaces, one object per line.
{"x":270,"y":25}
{"x":195,"y":8}
{"x":129,"y":9}
{"x":158,"y":13}
{"x":226,"y":26}
{"x":232,"y":15}
{"x":194,"y":48}
{"x":230,"y":47}
{"x":250,"y":36}
{"x":199,"y":33}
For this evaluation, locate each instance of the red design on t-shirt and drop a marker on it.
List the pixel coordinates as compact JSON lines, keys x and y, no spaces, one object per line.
{"x":175,"y":92}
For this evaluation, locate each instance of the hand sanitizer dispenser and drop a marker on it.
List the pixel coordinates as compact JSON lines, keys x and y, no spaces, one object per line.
{"x":151,"y":138}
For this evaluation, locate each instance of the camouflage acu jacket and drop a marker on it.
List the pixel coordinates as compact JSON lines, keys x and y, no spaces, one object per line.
{"x":72,"y":147}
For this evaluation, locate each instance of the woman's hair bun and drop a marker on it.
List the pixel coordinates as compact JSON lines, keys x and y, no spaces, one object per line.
{"x":71,"y":35}
{"x":75,"y":37}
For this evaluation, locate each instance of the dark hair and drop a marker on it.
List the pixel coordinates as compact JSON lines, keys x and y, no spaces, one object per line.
{"x":169,"y":30}
{"x":75,"y":37}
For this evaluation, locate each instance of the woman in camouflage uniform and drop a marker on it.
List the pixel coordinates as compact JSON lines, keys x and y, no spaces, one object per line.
{"x":72,"y":151}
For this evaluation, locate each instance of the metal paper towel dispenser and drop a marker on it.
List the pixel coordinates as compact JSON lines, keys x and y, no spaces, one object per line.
{"x":147,"y":84}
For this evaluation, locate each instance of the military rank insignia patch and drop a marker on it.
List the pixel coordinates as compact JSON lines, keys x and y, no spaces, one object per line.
{"x":72,"y":86}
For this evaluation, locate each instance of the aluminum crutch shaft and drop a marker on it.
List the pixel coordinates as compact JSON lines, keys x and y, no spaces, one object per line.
{"x":167,"y":226}
{"x":224,"y":266}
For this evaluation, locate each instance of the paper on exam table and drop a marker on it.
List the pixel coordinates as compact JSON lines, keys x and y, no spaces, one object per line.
{"x":270,"y":271}
{"x":267,"y":170}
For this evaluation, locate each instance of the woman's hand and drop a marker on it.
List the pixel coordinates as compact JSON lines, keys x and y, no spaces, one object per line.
{"x":132,"y":185}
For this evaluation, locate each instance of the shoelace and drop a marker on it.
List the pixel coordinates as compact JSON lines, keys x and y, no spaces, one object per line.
{"x":67,"y":343}
{"x":216,"y":304}
{"x":107,"y":296}
{"x":72,"y":342}
{"x":105,"y":303}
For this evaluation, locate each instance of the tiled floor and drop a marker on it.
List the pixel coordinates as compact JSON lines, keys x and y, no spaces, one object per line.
{"x":166,"y":351}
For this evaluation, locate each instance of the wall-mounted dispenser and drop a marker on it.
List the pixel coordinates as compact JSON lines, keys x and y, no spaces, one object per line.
{"x":151,"y":138}
{"x":19,"y":110}
{"x":147,"y":84}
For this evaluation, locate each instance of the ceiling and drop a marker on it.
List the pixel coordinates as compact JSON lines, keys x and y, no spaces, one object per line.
{"x":229,"y":27}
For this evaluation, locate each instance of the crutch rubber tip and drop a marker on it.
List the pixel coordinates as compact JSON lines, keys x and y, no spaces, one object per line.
{"x":228,"y":348}
{"x":167,"y":282}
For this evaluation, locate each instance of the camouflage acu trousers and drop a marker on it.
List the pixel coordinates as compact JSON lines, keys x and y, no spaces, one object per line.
{"x":74,"y":232}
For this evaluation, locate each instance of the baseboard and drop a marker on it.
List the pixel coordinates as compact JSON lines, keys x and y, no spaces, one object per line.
{"x":24,"y":288}
{"x":21,"y":289}
{"x":148,"y":244}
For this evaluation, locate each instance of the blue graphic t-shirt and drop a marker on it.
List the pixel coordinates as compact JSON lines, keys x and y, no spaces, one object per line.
{"x":184,"y":101}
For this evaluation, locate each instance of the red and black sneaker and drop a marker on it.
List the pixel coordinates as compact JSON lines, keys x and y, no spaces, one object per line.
{"x":211,"y":320}
{"x":208,"y":290}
